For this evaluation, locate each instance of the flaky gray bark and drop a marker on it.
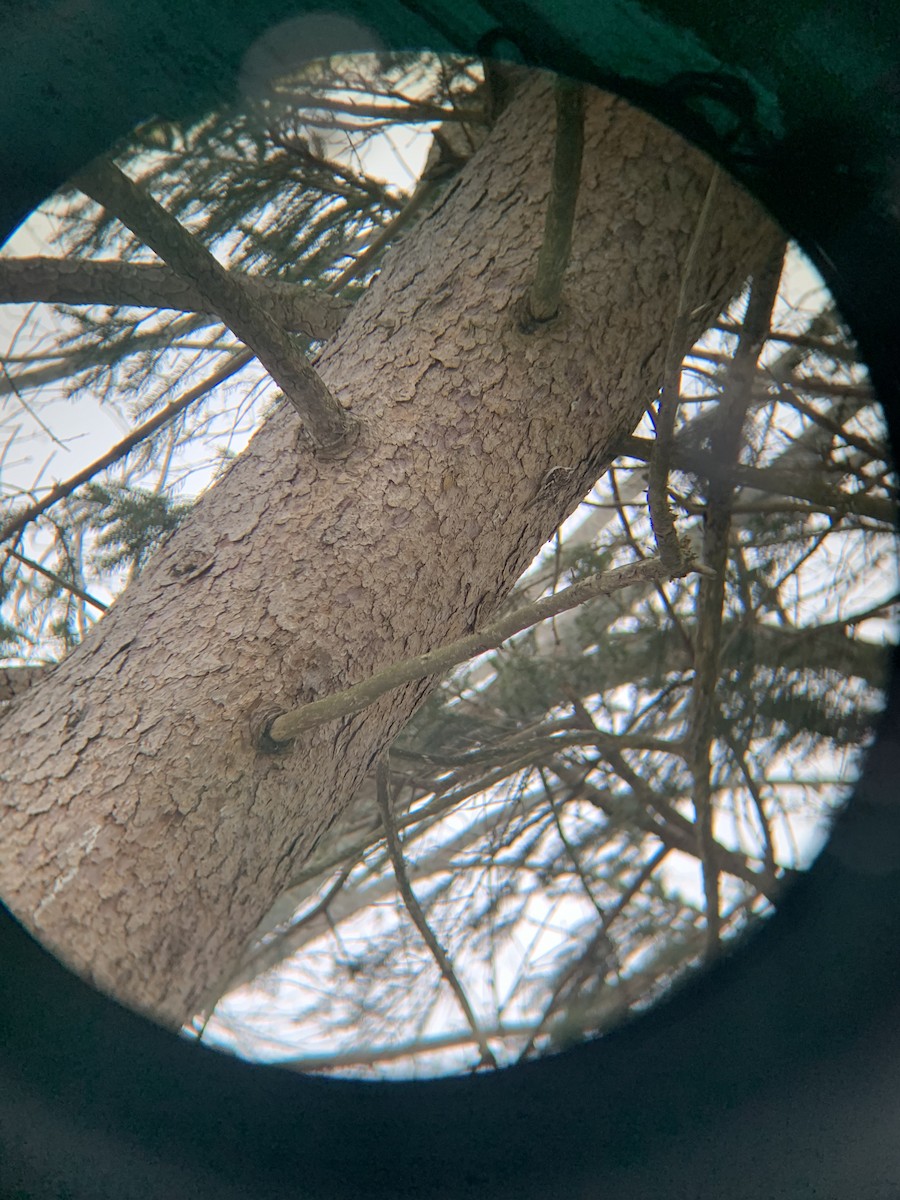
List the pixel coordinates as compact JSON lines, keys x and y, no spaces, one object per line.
{"x":144,"y":832}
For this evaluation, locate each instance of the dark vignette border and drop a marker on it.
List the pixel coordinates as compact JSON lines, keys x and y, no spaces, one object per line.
{"x":777,"y":1074}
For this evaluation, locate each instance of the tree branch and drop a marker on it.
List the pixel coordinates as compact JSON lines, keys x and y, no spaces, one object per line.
{"x":283,"y":939}
{"x":409,"y":113}
{"x":258,"y":958}
{"x":66,"y":363}
{"x":553,"y":257}
{"x":67,"y":585}
{"x":807,"y":341}
{"x":45,"y":280}
{"x":425,"y":192}
{"x":60,"y":490}
{"x":656,"y":816}
{"x":589,"y":954}
{"x":379,"y":1054}
{"x":571,"y":851}
{"x":801,"y":485}
{"x":873,"y":450}
{"x":418,"y":917}
{"x":331,"y":429}
{"x":725,"y":448}
{"x":661,"y":518}
{"x":435,"y":662}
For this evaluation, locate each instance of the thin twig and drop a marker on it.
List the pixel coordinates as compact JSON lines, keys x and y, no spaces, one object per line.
{"x":553,"y":256}
{"x":635,"y":545}
{"x":590,"y":951}
{"x":725,"y":449}
{"x":395,"y":850}
{"x":331,"y":429}
{"x":436,"y":662}
{"x":61,"y":364}
{"x":806,"y":341}
{"x":65,"y":584}
{"x":875,"y":450}
{"x":420,"y":198}
{"x":295,"y":145}
{"x":567,"y":845}
{"x":60,"y":490}
{"x":263,"y":956}
{"x":654,"y":815}
{"x":755,"y":790}
{"x":373,"y":1055}
{"x":661,"y":518}
{"x":778,"y":481}
{"x":13,"y":387}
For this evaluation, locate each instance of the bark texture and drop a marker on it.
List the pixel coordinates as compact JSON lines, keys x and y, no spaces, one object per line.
{"x":143,"y":832}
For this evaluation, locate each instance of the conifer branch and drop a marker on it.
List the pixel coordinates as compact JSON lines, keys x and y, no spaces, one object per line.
{"x":47,"y":280}
{"x":436,"y":662}
{"x":67,"y":585}
{"x":725,"y":449}
{"x":331,"y":429}
{"x":658,"y":481}
{"x":553,"y":257}
{"x":438,"y":953}
{"x":59,"y":491}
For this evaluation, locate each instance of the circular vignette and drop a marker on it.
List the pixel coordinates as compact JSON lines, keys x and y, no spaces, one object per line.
{"x":771,"y":1075}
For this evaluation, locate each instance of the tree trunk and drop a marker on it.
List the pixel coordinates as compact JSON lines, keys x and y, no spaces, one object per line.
{"x":144,"y":832}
